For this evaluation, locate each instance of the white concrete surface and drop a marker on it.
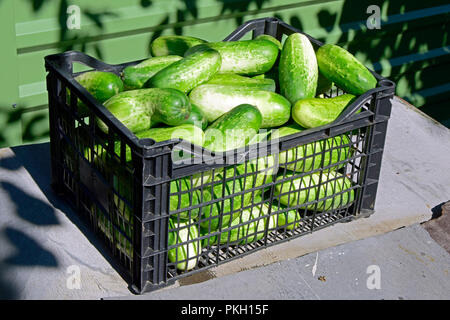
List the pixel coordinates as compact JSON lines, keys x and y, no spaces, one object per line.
{"x":41,"y":237}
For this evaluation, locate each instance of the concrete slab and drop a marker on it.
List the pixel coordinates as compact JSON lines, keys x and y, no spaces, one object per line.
{"x":403,"y":264}
{"x":43,"y":241}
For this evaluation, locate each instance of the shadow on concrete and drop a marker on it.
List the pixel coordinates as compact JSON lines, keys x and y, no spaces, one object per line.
{"x":29,"y":208}
{"x":28,"y":251}
{"x":36,"y":159}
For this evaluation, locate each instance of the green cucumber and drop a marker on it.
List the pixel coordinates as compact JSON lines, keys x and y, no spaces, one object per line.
{"x":182,"y":196}
{"x":285,"y":218}
{"x":308,"y":157}
{"x":233,"y":129}
{"x":258,"y":172}
{"x":341,"y":67}
{"x":315,"y":112}
{"x":270,"y":38}
{"x":304,"y":190}
{"x":246,"y":57}
{"x":298,"y":71}
{"x":135,"y":76}
{"x":248,"y":227}
{"x":233,"y":79}
{"x":185,"y":250}
{"x":137,"y":108}
{"x":173,"y":45}
{"x":100,"y":84}
{"x":187,"y":73}
{"x":215,"y":100}
{"x":197,"y":117}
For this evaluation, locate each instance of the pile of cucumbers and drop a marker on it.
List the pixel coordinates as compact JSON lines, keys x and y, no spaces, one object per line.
{"x":221,"y":95}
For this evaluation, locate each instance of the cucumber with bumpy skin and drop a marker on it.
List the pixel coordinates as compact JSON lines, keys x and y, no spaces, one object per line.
{"x":315,"y":112}
{"x":136,"y":109}
{"x":233,"y":129}
{"x":215,"y":100}
{"x":308,"y":157}
{"x":189,"y":72}
{"x":248,"y":227}
{"x":334,"y":191}
{"x":341,"y":67}
{"x":298,"y":71}
{"x":135,"y":76}
{"x":245,"y":57}
{"x":173,"y":45}
{"x":100,"y":84}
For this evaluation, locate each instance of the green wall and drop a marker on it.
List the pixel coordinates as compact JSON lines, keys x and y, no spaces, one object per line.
{"x":411,"y":47}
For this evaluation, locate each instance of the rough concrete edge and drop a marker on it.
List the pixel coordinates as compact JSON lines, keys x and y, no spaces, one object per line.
{"x":439,"y":227}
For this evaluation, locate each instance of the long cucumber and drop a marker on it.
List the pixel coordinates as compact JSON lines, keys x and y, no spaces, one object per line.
{"x":187,"y":73}
{"x":341,"y":67}
{"x":135,"y":76}
{"x":215,"y":100}
{"x":246,"y":57}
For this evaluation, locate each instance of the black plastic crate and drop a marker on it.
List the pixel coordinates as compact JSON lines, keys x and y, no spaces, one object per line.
{"x":152,"y":209}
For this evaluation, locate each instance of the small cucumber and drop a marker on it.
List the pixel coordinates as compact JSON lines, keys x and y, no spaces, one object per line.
{"x":298,"y":71}
{"x":341,"y":67}
{"x":254,"y":174}
{"x":100,"y":84}
{"x":134,"y":77}
{"x":187,"y":73}
{"x":308,"y":157}
{"x":334,"y":191}
{"x":137,"y":108}
{"x":245,"y":57}
{"x":184,"y":250}
{"x":215,"y":100}
{"x":173,"y":45}
{"x":233,"y":129}
{"x":315,"y":112}
{"x":233,"y":79}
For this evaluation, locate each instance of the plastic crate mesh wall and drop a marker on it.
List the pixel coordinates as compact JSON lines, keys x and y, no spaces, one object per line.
{"x":218,"y":214}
